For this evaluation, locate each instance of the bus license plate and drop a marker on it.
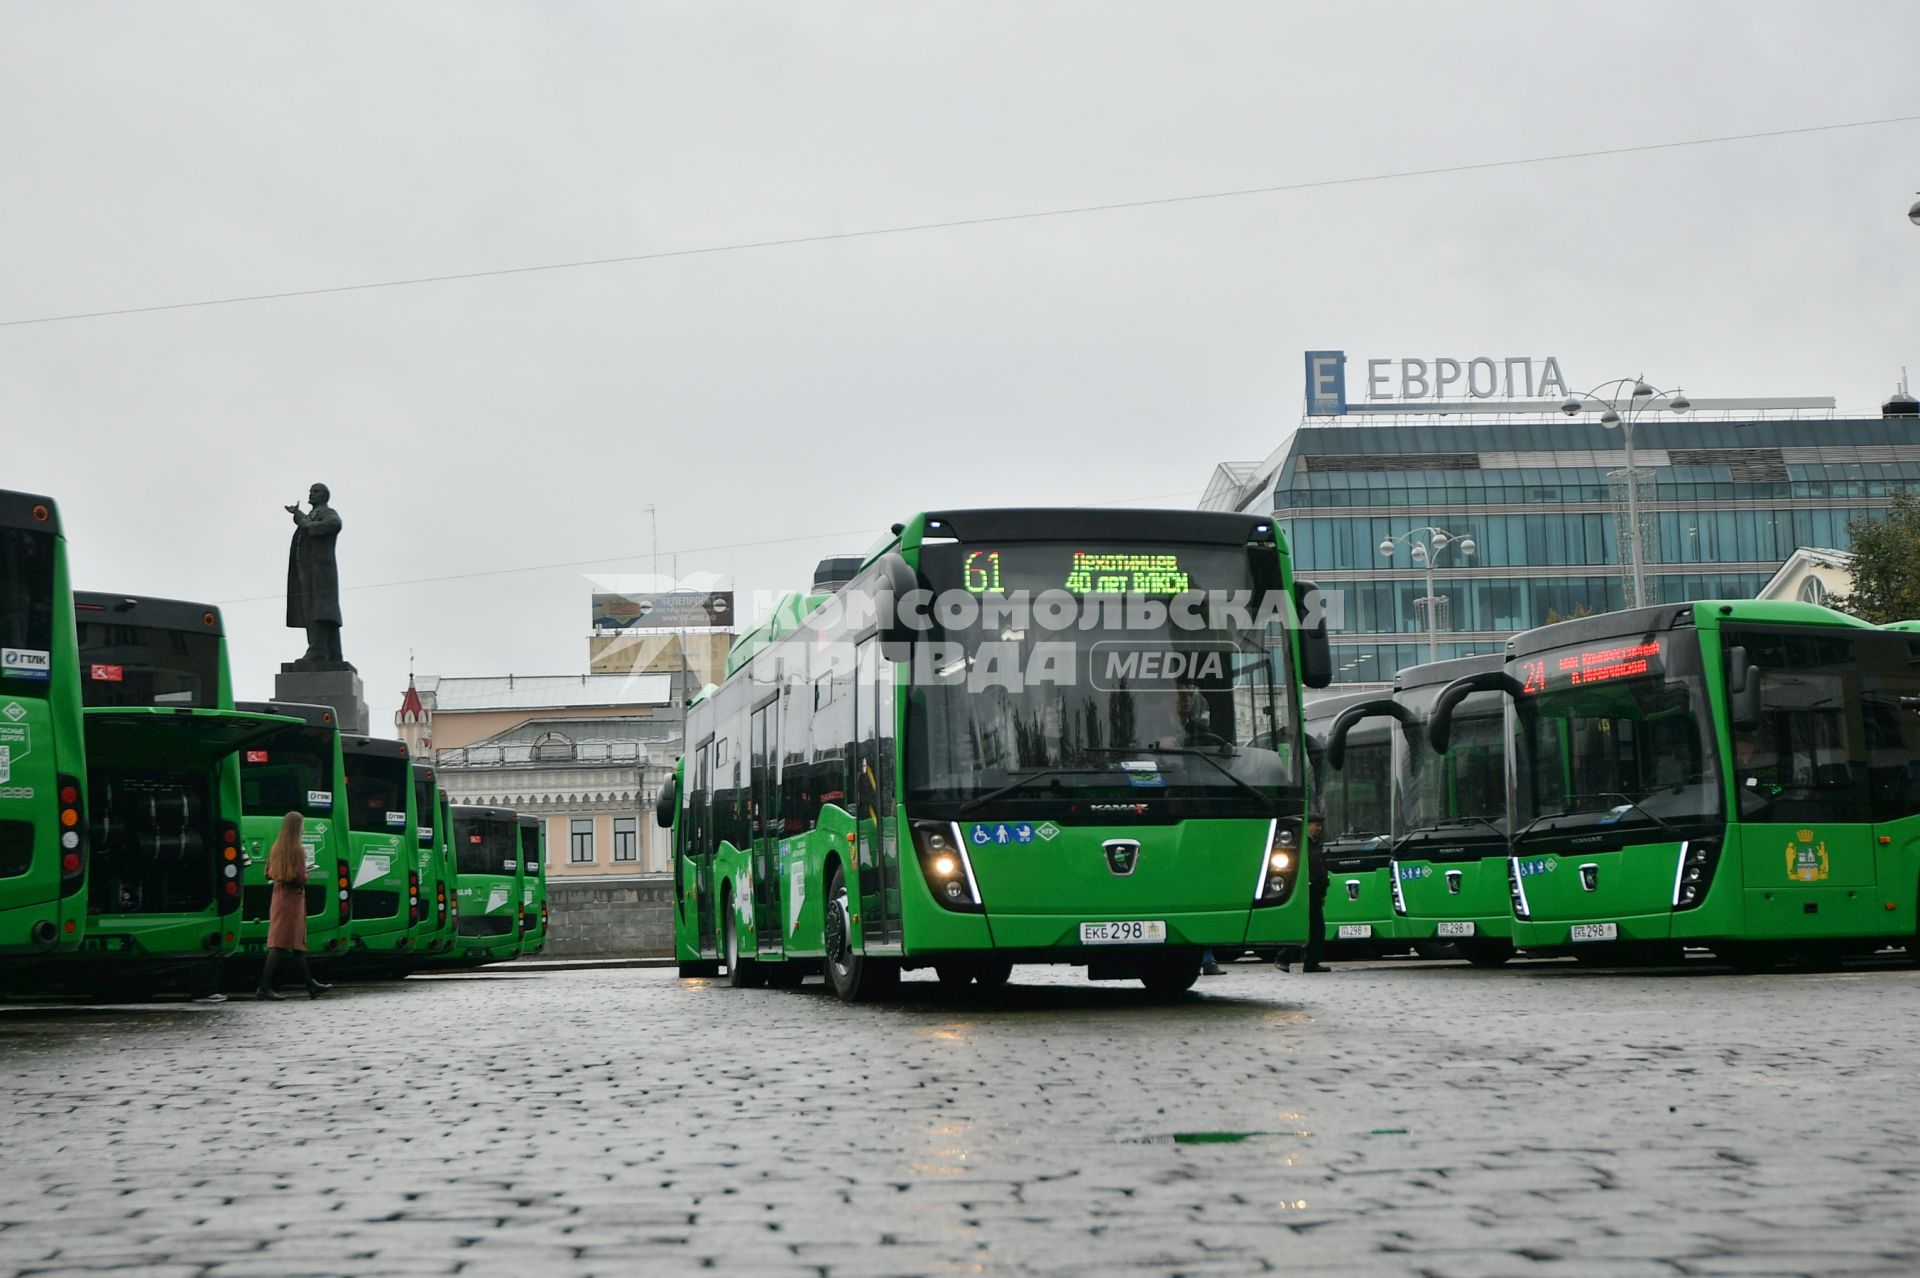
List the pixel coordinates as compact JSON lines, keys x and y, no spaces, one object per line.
{"x":1136,"y":932}
{"x":1356,"y":931}
{"x":1594,"y":932}
{"x":1455,"y":929}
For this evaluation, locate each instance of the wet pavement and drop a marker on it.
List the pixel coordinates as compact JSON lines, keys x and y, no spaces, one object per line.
{"x":1384,"y":1118}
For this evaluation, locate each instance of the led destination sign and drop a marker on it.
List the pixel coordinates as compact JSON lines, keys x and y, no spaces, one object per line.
{"x":1582,"y":667}
{"x":1087,"y":572}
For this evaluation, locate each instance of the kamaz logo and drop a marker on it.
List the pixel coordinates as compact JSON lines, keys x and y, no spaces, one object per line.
{"x":1137,"y":809}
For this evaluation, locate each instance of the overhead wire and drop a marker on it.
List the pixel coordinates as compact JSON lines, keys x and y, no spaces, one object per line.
{"x":956,"y":223}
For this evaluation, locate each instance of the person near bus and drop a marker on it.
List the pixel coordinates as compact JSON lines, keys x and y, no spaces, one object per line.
{"x":287,"y":915}
{"x":1317,"y":880}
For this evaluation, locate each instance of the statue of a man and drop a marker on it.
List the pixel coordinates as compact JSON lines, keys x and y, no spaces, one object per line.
{"x":313,"y":577}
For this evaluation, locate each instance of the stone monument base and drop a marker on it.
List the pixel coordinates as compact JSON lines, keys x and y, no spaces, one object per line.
{"x":325,"y":683}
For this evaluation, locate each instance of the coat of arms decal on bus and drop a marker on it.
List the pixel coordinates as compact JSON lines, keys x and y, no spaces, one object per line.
{"x":1806,"y":860}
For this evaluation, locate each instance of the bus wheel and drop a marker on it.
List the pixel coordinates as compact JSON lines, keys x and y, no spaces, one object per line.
{"x":1171,"y":975}
{"x":742,"y":973}
{"x":992,"y":976}
{"x":1487,"y":953}
{"x":855,"y":978}
{"x":785,"y":975}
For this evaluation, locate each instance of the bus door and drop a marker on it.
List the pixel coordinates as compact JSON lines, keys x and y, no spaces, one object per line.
{"x":696,"y":850}
{"x":1890,"y":703}
{"x":1800,"y":771}
{"x":763,"y":813}
{"x":873,"y":784}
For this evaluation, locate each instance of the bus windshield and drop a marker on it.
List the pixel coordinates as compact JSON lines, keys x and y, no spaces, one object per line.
{"x":1463,"y":793}
{"x":1066,"y":673}
{"x":377,"y":794}
{"x":291,"y":771}
{"x":26,"y":603}
{"x":1614,"y":733}
{"x":489,"y":846}
{"x":1353,"y":800}
{"x":127,"y":665}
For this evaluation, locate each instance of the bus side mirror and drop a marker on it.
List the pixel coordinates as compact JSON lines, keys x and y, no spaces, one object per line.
{"x":665,"y":803}
{"x":893,"y":591}
{"x":1316,"y":651}
{"x":1440,"y":722}
{"x":1743,"y":690}
{"x":1344,"y":722}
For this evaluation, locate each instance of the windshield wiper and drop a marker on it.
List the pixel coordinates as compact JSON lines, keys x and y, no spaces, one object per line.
{"x":1445,"y":825}
{"x":980,"y":801}
{"x":1266,"y":801}
{"x":1539,"y":821}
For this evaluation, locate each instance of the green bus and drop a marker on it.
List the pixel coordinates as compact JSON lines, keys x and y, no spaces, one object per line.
{"x":298,"y":770}
{"x":1351,"y":749}
{"x":43,"y":773}
{"x":1737,"y":775}
{"x":382,"y":832}
{"x":533,"y":885}
{"x":1006,"y":736}
{"x":491,"y":887}
{"x":163,"y":741}
{"x":1449,"y":870}
{"x":434,"y":933}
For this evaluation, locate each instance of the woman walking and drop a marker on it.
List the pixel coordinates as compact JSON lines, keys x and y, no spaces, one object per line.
{"x":287,"y":918}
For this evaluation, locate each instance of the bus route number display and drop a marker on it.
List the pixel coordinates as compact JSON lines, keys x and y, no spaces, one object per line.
{"x":1091,"y":572}
{"x":1582,"y":667}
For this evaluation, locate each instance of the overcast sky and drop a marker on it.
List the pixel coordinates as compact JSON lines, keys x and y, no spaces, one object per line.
{"x":800,"y":399}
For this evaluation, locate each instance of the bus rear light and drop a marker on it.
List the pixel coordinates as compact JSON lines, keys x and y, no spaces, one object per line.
{"x":345,"y":879}
{"x":1280,"y":862}
{"x":70,"y":863}
{"x":40,"y":513}
{"x":945,"y":865}
{"x":69,"y":795}
{"x":70,"y":927}
{"x":230,"y":871}
{"x":1693,"y":872}
{"x":70,"y":817}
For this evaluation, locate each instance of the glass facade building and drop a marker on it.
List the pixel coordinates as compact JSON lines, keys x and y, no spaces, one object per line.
{"x":1723,"y":504}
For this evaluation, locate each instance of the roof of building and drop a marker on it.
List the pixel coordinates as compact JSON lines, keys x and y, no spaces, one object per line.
{"x":410,"y":703}
{"x":455,"y":695}
{"x":1805,"y":556}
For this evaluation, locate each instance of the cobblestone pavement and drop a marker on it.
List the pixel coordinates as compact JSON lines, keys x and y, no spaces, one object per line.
{"x":1409,"y":1119}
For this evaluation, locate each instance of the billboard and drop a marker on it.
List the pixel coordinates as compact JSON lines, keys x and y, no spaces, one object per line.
{"x":673,"y":610}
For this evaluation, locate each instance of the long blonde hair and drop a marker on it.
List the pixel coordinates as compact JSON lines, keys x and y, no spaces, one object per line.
{"x":287,"y":861}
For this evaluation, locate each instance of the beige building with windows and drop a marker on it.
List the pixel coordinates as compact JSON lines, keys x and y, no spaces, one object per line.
{"x":585,"y":753}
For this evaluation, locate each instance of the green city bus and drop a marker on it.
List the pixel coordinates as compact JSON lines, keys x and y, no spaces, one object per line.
{"x":1013,"y":736}
{"x":1449,"y":870}
{"x":298,"y":770}
{"x":163,"y":741}
{"x":433,"y":934}
{"x":491,"y":888}
{"x":43,"y":773}
{"x":382,"y":831}
{"x":1351,"y":792}
{"x":1739,"y":775}
{"x":533,"y":885}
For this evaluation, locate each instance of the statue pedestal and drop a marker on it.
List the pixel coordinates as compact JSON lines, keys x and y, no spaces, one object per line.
{"x":325,"y":683}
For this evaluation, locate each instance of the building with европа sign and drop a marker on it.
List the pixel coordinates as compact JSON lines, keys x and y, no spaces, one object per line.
{"x":1727,"y":491}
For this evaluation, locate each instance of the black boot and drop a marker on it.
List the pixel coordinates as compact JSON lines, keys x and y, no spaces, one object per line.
{"x":265,"y":989}
{"x":314,"y":988}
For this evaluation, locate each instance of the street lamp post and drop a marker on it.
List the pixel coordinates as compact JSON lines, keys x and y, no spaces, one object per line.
{"x":1637,"y":401}
{"x":1425,"y":549}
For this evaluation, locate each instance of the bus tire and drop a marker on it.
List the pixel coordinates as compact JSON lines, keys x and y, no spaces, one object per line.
{"x":742,"y":973}
{"x":1169,"y":976}
{"x":854,"y":978}
{"x":993,"y":976}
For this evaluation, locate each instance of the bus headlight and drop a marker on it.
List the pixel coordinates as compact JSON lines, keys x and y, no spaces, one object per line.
{"x":1280,"y":868}
{"x":1693,"y":872}
{"x":945,"y":865}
